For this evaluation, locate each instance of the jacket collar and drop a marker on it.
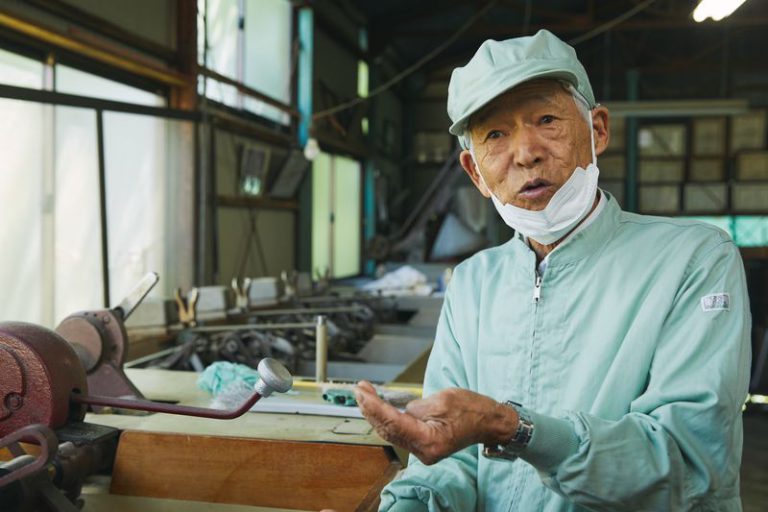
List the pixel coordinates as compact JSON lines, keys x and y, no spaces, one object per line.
{"x":581,"y":244}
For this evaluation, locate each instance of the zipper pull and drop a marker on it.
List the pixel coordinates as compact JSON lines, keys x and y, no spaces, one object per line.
{"x":537,"y":289}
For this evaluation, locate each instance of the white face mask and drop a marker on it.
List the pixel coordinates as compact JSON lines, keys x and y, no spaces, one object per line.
{"x":570,"y":204}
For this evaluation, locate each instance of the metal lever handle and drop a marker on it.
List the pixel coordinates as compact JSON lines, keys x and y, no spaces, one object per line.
{"x":273,"y":376}
{"x":28,"y":465}
{"x":135,"y":296}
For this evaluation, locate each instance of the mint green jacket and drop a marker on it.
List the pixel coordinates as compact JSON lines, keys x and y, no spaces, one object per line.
{"x":633,"y":365}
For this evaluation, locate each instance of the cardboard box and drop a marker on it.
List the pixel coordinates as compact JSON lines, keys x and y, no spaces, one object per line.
{"x":748,"y":131}
{"x":659,"y":198}
{"x":749,"y":197}
{"x":662,"y":140}
{"x":661,"y":171}
{"x":752,"y":166}
{"x":705,"y":197}
{"x":707,"y":169}
{"x":709,"y":136}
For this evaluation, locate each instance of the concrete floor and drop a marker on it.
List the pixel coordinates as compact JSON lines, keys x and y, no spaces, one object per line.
{"x":754,"y":466}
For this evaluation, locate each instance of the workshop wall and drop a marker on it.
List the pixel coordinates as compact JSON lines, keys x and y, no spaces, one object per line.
{"x":335,"y":82}
{"x":251,"y":242}
{"x":154,"y":20}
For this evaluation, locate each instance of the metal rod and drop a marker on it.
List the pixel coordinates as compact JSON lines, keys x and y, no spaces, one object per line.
{"x":135,"y":296}
{"x":246,"y":327}
{"x":153,"y":356}
{"x":149,"y":406}
{"x":38,"y":434}
{"x":74,"y":100}
{"x":244,"y":89}
{"x":307,"y":311}
{"x":103,"y":206}
{"x":321,"y":349}
{"x":273,"y":376}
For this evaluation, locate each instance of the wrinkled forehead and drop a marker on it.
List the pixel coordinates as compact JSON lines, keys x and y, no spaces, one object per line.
{"x":535,"y":93}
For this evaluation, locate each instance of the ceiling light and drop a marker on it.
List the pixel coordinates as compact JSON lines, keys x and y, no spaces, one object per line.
{"x":715,"y":9}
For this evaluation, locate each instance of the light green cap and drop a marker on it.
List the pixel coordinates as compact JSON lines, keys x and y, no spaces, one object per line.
{"x":498,"y":66}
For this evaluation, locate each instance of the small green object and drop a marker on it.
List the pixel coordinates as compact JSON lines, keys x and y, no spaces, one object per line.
{"x":343,"y":397}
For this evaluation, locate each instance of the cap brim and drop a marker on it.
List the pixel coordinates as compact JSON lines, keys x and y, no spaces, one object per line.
{"x":457,"y":128}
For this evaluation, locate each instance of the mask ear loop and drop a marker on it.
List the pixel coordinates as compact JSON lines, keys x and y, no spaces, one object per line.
{"x":592,"y":138}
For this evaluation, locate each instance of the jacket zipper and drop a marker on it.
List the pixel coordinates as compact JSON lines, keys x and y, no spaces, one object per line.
{"x":537,"y":288}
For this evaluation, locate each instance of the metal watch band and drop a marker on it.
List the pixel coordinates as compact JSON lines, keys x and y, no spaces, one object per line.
{"x":519,"y":441}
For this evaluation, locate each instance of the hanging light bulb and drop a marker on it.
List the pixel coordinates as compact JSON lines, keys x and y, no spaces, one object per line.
{"x":311,"y":149}
{"x":715,"y":9}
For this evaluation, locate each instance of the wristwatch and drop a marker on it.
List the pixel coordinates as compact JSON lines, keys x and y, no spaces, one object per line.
{"x":511,"y":450}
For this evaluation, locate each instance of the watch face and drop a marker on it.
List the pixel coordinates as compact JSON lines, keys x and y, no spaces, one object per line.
{"x":519,"y":441}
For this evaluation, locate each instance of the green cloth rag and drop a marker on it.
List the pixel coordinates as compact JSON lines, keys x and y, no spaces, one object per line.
{"x":218,"y":376}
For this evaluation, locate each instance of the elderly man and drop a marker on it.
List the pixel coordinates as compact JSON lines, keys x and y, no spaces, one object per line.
{"x":596,"y":361}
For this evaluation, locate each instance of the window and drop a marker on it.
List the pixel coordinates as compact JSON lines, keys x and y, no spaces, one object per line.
{"x":256,"y":52}
{"x":746,"y":230}
{"x":74,"y":81}
{"x":20,"y":71}
{"x":336,"y":215}
{"x":51,"y":264}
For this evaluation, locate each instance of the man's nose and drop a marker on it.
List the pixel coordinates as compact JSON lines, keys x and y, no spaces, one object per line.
{"x":527,"y":150}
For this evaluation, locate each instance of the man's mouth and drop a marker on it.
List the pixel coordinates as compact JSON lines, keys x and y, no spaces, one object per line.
{"x":534,"y":188}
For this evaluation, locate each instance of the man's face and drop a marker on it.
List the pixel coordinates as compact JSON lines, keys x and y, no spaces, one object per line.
{"x":529,"y":140}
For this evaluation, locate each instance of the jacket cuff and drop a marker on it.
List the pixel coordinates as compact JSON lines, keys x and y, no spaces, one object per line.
{"x":406,"y":505}
{"x":553,"y":440}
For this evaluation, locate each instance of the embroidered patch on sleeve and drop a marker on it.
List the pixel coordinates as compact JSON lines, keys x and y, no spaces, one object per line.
{"x":716,"y":302}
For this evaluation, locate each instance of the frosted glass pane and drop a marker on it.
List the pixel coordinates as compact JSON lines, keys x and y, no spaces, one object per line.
{"x":223,"y":93}
{"x":746,"y":230}
{"x":77,"y":253}
{"x":149,"y":210}
{"x":262,"y":109}
{"x":362,"y":79}
{"x":21,"y":170}
{"x":73,"y":81}
{"x":267,"y":60}
{"x":20,"y":71}
{"x":222,"y":37}
{"x":347,"y":217}
{"x":321,"y":213}
{"x":751,"y":231}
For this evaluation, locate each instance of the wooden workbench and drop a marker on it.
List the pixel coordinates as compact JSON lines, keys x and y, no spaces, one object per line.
{"x":278,"y":461}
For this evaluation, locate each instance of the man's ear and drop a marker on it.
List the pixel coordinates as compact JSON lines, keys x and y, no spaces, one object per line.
{"x":601,"y":127}
{"x":468,"y":164}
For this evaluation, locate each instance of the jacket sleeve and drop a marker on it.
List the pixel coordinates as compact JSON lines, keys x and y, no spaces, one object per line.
{"x":451,"y":483}
{"x":682,"y":437}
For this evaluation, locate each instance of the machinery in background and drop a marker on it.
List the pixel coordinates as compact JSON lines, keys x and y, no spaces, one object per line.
{"x":288,"y":335}
{"x":266,"y":317}
{"x":446,"y":224}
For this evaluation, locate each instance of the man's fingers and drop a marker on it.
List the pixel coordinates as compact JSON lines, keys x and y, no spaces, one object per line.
{"x":366,"y":386}
{"x":394,"y":426}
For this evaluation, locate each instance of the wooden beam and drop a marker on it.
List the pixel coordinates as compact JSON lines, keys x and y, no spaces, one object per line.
{"x":250,"y":92}
{"x":110,"y":56}
{"x":185,"y":97}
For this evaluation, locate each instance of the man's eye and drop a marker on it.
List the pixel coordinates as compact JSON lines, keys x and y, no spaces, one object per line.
{"x":547,"y":119}
{"x":494,"y":134}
